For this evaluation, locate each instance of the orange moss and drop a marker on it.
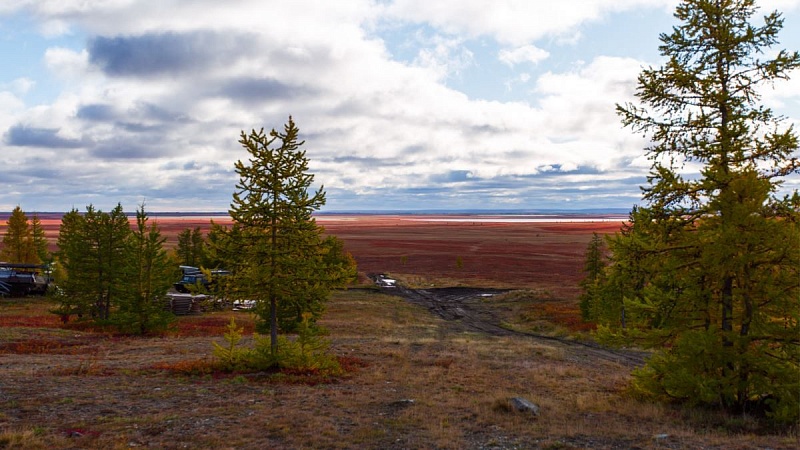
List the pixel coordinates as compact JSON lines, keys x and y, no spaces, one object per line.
{"x":40,"y":346}
{"x":38,"y":321}
{"x":192,"y":367}
{"x":210,"y":326}
{"x":567,"y":316}
{"x":351,"y":364}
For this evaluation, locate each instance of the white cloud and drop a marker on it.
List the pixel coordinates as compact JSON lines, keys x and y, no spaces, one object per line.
{"x":581,"y":110}
{"x":528,"y":53}
{"x":444,"y":56}
{"x":514,"y":21}
{"x":157,"y":98}
{"x":20,"y":86}
{"x":66,"y":63}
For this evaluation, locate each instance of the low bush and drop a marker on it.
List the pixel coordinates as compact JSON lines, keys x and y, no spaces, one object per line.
{"x":306,"y":352}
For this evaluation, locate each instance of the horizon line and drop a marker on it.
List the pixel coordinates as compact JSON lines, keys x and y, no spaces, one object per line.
{"x":429,"y":211}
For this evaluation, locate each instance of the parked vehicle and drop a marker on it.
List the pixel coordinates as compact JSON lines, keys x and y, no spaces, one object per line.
{"x":194,"y":277}
{"x":19,"y":280}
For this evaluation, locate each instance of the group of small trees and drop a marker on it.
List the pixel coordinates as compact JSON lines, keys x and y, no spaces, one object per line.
{"x":277,"y":254}
{"x":24,"y":241}
{"x":707,"y":272}
{"x":112,"y":273}
{"x":191,"y":249}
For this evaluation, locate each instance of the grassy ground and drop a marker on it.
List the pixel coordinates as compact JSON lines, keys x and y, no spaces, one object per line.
{"x":412,"y":383}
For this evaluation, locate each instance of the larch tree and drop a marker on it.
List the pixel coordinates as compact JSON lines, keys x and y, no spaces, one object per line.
{"x":39,"y":240}
{"x":149,"y":275}
{"x":107,"y":236}
{"x":594,"y":267}
{"x":715,"y":257}
{"x":93,"y":254}
{"x":191,"y":249}
{"x":275,"y":249}
{"x":71,"y":274}
{"x":18,"y":240}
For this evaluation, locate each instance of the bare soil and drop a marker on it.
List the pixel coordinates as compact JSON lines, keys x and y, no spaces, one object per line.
{"x":467,"y":309}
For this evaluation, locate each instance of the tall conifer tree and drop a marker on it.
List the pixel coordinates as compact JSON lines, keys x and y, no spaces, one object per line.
{"x":716,"y":256}
{"x":275,"y":249}
{"x":73,"y":276}
{"x":148,"y":278}
{"x":191,"y":249}
{"x":39,"y":240}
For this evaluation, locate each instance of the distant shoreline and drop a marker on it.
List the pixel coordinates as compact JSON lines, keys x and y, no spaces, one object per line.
{"x":587,"y":213}
{"x":328,"y":218}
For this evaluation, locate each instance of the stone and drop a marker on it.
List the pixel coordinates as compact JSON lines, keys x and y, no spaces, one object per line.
{"x":524,"y":405}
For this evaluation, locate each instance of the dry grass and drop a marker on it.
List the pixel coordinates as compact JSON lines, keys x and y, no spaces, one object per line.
{"x":411,"y":384}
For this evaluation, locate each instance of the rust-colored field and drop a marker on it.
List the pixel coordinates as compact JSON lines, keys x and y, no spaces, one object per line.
{"x":414,"y":379}
{"x":454,"y":250}
{"x":442,"y":250}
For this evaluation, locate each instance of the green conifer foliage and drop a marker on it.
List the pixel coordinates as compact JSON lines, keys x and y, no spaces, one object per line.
{"x":709,"y":268}
{"x":594,"y":267}
{"x":275,"y":249}
{"x":149,"y":274}
{"x":18,"y":244}
{"x":93,"y":252}
{"x":39,"y":241}
{"x":191,"y":249}
{"x":70,"y":259}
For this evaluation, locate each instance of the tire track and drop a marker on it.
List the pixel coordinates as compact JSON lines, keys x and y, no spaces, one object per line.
{"x":463,"y":311}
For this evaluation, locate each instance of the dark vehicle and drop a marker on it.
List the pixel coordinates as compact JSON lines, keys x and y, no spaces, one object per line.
{"x":19,"y":280}
{"x":193,"y":276}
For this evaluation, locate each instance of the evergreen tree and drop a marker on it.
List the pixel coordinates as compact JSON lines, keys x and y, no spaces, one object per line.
{"x":72,"y":275}
{"x":108,"y":235}
{"x":184,"y":248}
{"x":715,"y":258}
{"x":594,"y":268}
{"x":93,"y":252}
{"x":191,"y":249}
{"x":275,"y":249}
{"x":149,"y":277}
{"x":335,"y":267}
{"x":18,"y":240}
{"x":39,"y":240}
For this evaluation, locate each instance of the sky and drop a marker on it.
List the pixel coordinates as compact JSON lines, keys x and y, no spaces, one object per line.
{"x":403,"y":104}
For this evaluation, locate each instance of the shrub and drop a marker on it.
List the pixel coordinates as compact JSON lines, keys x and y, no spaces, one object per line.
{"x":307,"y":352}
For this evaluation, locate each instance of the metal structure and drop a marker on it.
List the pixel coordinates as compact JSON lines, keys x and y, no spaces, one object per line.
{"x":193,"y":276}
{"x":19,"y":280}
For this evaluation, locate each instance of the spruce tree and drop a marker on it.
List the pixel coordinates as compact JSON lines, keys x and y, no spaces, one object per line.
{"x":715,"y":257}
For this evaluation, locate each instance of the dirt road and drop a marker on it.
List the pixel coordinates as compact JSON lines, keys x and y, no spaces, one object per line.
{"x":465,"y":309}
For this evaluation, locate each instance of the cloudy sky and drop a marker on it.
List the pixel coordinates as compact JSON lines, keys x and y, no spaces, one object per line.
{"x":404,"y":104}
